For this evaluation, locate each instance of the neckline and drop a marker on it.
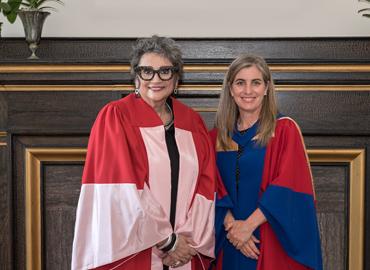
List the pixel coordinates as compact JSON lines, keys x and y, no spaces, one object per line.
{"x":168,"y":125}
{"x":245,"y":136}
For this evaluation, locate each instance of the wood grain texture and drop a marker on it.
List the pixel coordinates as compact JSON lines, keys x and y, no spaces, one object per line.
{"x":329,"y":113}
{"x":3,"y":111}
{"x":86,"y":50}
{"x":5,"y":210}
{"x":18,"y":176}
{"x":334,"y":242}
{"x":52,"y":112}
{"x":328,"y":119}
{"x":331,"y":185}
{"x":61,"y":189}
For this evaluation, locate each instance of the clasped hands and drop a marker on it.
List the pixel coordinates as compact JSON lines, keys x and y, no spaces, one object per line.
{"x":240,"y":234}
{"x":182,"y":254}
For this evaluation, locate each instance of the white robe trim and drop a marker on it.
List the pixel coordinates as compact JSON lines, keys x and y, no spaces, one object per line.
{"x":115,"y":221}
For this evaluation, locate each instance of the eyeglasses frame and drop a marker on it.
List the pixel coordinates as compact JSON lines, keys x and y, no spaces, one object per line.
{"x":156,"y":71}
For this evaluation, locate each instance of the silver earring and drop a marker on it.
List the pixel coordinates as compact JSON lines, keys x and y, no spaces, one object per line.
{"x":175,"y":91}
{"x":137,"y":92}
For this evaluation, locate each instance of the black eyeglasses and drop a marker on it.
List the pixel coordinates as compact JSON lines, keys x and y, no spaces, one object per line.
{"x":147,"y":73}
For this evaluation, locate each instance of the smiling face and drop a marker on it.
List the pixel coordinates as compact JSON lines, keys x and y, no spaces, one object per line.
{"x":248,"y":89}
{"x":155,"y":91}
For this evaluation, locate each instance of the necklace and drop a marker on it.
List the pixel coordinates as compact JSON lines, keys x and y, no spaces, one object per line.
{"x":169,"y":123}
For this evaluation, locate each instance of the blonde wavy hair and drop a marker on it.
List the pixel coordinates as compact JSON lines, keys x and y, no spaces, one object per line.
{"x":228,"y":112}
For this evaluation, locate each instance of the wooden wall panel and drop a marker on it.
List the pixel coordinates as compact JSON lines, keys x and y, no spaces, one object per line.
{"x":55,"y":112}
{"x":61,"y":188}
{"x":3,"y":111}
{"x":324,"y":84}
{"x":21,"y":145}
{"x":331,"y":182}
{"x":5,"y":203}
{"x":115,"y":50}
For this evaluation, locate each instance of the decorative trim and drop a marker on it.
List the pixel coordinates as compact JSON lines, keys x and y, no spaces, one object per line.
{"x":57,"y":88}
{"x":285,"y":68}
{"x":319,"y":68}
{"x":114,"y":87}
{"x":181,"y":88}
{"x":33,"y":159}
{"x":62,"y":68}
{"x":356,"y":160}
{"x":336,"y":88}
{"x":204,"y":109}
{"x":34,"y":156}
{"x":2,"y":135}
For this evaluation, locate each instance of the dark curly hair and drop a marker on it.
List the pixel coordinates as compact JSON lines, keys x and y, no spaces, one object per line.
{"x":164,"y":46}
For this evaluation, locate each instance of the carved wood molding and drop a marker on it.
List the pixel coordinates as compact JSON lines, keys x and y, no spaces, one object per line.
{"x":62,"y":68}
{"x":34,"y":157}
{"x":182,"y":88}
{"x":355,"y":158}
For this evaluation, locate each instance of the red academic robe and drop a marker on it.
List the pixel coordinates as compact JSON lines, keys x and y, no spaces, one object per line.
{"x":124,"y":205}
{"x":290,"y":237}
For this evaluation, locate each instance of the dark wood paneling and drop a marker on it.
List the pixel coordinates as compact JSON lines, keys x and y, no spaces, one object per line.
{"x":65,"y":78}
{"x":329,"y":113}
{"x":55,"y":112}
{"x":329,"y":119}
{"x":61,"y":188}
{"x":18,"y":175}
{"x":346,"y":142}
{"x":88,"y":50}
{"x":109,"y":78}
{"x":3,"y":111}
{"x":331,"y":183}
{"x":5,"y":213}
{"x":332,"y":112}
{"x":20,"y":143}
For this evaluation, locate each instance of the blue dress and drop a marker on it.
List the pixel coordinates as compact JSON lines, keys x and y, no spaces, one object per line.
{"x":242,"y":180}
{"x":276,"y":179}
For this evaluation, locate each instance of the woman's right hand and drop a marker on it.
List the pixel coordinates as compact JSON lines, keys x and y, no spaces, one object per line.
{"x":183,"y":253}
{"x":229,"y":220}
{"x":249,"y":249}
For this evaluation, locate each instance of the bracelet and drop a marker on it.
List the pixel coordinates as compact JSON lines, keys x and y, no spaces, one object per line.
{"x":169,"y":238}
{"x":173,"y":248}
{"x":171,"y":245}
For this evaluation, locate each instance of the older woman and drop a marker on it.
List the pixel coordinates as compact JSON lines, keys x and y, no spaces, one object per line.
{"x":264,"y":167}
{"x":148,"y":185}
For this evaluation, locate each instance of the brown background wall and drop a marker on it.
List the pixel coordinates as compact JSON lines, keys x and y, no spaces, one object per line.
{"x":48,"y":106}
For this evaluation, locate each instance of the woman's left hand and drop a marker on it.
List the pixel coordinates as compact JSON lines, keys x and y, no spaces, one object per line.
{"x":242,"y":230}
{"x":250,"y":249}
{"x":181,"y":255}
{"x":240,"y":233}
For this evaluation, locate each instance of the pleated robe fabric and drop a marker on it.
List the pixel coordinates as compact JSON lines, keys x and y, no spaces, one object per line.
{"x":277,"y":179}
{"x":124,"y":205}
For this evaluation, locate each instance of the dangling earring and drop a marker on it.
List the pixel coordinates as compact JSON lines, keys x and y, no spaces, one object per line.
{"x":137,"y":87}
{"x":137,"y":92}
{"x":175,"y":91}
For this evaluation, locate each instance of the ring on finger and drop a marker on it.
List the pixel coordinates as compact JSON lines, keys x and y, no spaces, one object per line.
{"x":176,"y":264}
